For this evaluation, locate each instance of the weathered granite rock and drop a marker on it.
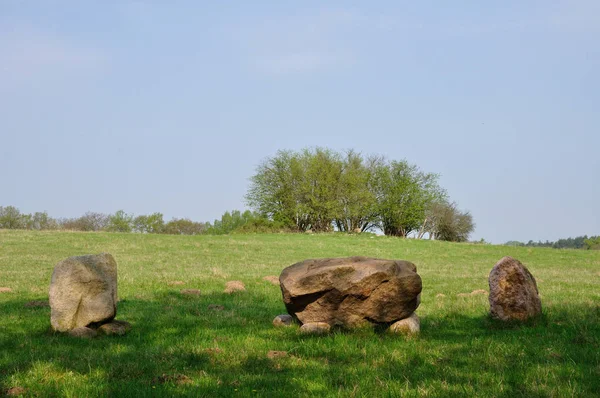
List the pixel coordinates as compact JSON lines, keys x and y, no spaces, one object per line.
{"x":351,"y":292}
{"x":283,"y":320}
{"x":83,"y":290}
{"x":513,"y":291}
{"x":407,"y":326}
{"x":315,"y":328}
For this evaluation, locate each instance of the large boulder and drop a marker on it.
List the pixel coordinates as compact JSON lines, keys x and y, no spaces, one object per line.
{"x":513,"y":291}
{"x":83,"y":291}
{"x":352,"y":291}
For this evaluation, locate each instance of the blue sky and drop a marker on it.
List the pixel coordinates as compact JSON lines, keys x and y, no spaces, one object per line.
{"x":169,"y":106}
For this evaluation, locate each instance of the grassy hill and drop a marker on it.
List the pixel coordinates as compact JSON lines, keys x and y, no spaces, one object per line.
{"x":180,"y":347}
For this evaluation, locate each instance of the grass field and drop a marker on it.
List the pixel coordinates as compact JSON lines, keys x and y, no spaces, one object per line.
{"x":179,"y":347}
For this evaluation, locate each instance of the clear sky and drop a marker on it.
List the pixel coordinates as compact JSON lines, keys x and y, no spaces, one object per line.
{"x":170,"y":105}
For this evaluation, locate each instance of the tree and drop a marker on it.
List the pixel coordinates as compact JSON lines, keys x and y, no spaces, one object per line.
{"x":152,"y":224}
{"x":403,"y":194}
{"x":357,"y":209}
{"x":90,"y":221}
{"x":183,"y":226}
{"x":231,"y":221}
{"x":592,"y":243}
{"x":319,"y":189}
{"x":448,"y":223}
{"x":274,"y":190}
{"x":11,"y":218}
{"x":120,"y":222}
{"x":42,"y":221}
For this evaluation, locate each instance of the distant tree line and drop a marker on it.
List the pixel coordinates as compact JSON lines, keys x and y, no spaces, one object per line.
{"x":120,"y":221}
{"x":322,"y":190}
{"x":317,"y":190}
{"x":580,"y":242}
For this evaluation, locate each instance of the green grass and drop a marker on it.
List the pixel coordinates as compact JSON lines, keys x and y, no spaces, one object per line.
{"x":459,"y":352}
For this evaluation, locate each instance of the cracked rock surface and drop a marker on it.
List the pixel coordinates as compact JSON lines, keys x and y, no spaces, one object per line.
{"x":351,"y":292}
{"x":83,"y":291}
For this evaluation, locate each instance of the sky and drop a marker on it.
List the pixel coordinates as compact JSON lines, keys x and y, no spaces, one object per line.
{"x":163,"y":106}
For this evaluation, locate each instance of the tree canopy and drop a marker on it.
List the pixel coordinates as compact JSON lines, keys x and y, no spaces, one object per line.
{"x":321,"y":190}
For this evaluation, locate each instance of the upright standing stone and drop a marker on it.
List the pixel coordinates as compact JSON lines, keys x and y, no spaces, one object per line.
{"x":513,"y":291}
{"x":83,"y":291}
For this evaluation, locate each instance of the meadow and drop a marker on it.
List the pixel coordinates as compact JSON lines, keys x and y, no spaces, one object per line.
{"x":180,"y":347}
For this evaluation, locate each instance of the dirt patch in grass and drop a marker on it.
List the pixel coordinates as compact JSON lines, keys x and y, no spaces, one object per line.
{"x":15,"y":391}
{"x":5,"y":290}
{"x":191,"y":292}
{"x":276,"y":354}
{"x":215,"y":307}
{"x":176,"y":283}
{"x":473,"y":293}
{"x":179,"y":379}
{"x":234,"y":286}
{"x":272,"y":279}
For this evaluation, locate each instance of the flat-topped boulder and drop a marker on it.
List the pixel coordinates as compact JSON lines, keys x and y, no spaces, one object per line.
{"x":351,"y":292}
{"x":83,"y":291}
{"x":513,"y":291}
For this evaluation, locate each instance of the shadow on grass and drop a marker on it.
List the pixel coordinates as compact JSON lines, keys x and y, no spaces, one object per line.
{"x":173,"y":349}
{"x":180,"y":347}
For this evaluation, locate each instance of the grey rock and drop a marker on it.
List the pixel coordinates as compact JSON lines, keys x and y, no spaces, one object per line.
{"x":83,"y":290}
{"x":283,"y":320}
{"x":407,"y":326}
{"x":315,"y":328}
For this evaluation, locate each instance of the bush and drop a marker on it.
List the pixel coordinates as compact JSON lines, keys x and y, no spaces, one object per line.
{"x":152,"y":224}
{"x":90,"y":221}
{"x":184,"y":226}
{"x":120,"y":222}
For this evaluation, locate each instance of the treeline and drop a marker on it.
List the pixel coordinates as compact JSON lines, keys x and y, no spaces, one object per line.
{"x":120,"y":221}
{"x":322,"y":190}
{"x":313,"y":190}
{"x":580,"y":242}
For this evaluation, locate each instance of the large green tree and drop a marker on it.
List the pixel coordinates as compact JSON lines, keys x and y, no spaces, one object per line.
{"x":320,"y":189}
{"x":404,"y":193}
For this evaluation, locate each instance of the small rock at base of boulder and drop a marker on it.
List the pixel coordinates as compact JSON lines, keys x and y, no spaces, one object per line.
{"x":118,"y":328}
{"x":83,"y":332}
{"x":315,"y":328}
{"x":272,"y":279}
{"x":234,"y":286}
{"x":283,"y":320}
{"x":5,"y":290}
{"x":513,"y":291}
{"x":83,"y":290}
{"x":191,"y":292}
{"x":407,"y":326}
